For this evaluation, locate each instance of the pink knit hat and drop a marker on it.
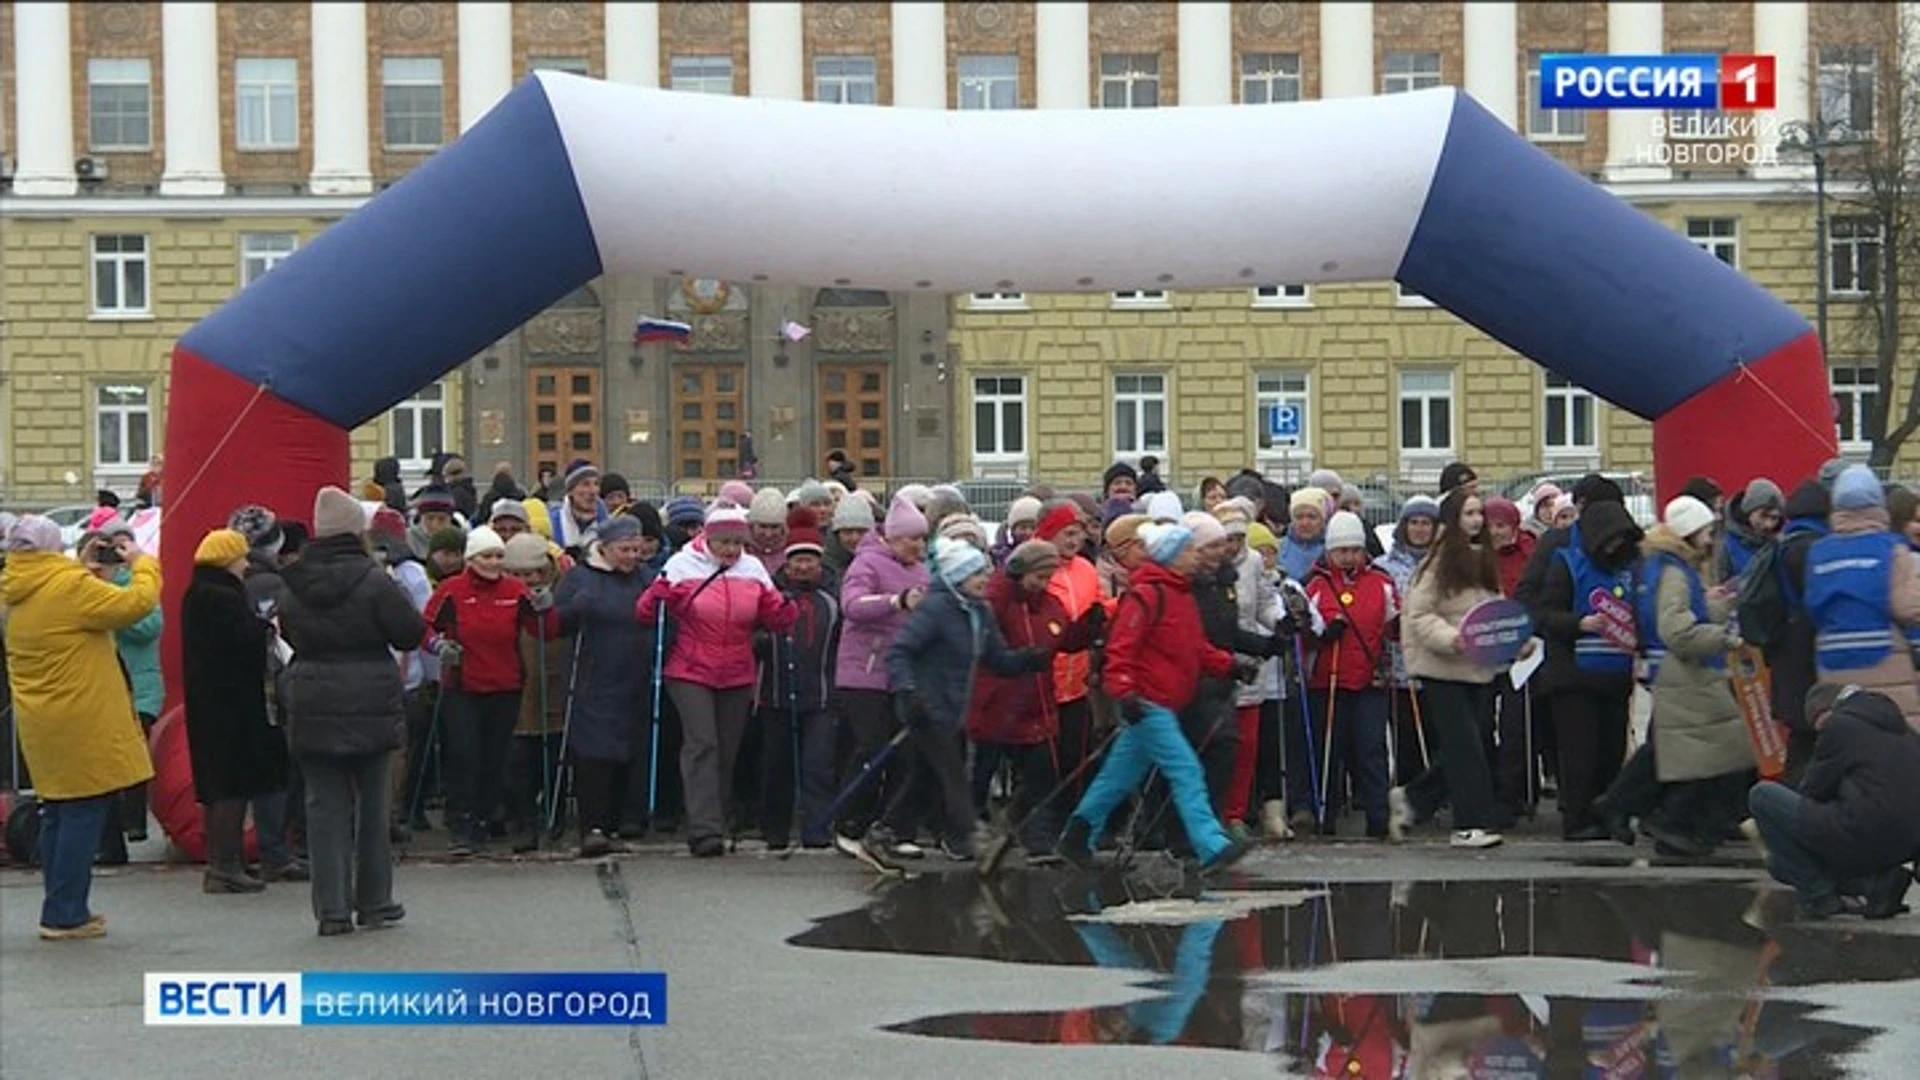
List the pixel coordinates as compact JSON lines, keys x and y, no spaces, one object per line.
{"x":726,"y":521}
{"x":904,"y":520}
{"x":738,"y":493}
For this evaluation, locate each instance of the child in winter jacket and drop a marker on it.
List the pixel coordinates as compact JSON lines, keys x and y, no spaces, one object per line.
{"x":930,"y":668}
{"x":796,"y":683}
{"x":1360,"y":606}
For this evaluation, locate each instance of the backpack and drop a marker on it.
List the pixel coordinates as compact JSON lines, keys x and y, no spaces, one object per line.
{"x":1767,"y":598}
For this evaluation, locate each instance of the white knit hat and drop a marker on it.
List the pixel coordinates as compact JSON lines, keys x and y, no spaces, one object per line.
{"x":1687,"y":515}
{"x":482,"y":540}
{"x":1346,"y":530}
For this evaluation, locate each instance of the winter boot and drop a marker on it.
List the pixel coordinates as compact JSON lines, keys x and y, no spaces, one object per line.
{"x":1076,"y":843}
{"x":1273,"y":820}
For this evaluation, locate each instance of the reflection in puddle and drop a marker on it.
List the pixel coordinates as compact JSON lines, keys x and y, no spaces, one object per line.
{"x":1436,"y":978}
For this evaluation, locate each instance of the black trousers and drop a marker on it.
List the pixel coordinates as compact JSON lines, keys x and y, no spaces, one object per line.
{"x":1359,"y":754}
{"x":939,"y":769}
{"x":1707,"y":809}
{"x":869,"y":719}
{"x":477,"y":729}
{"x":423,"y":760}
{"x":1269,"y":767}
{"x":795,"y":765}
{"x":1077,"y":740}
{"x":1516,"y":772}
{"x":1458,"y":719}
{"x":1592,"y":730}
{"x":1034,"y":777}
{"x":1635,"y":792}
{"x":598,"y":790}
{"x":532,"y":772}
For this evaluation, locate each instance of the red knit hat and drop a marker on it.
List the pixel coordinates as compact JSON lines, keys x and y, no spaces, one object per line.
{"x":805,"y":540}
{"x":1056,"y":522}
{"x":802,"y":517}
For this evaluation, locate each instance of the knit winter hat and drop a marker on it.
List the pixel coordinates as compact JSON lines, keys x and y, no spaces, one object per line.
{"x":509,"y":508}
{"x":256,"y":523}
{"x":32,"y":532}
{"x":525,"y":553}
{"x":1346,"y":530}
{"x":1457,"y":474}
{"x":1204,"y":526}
{"x":684,"y":510}
{"x":1032,"y":555}
{"x":434,"y":499}
{"x":1162,"y":506}
{"x":810,"y":493}
{"x":539,"y":516}
{"x":1543,"y":494}
{"x":956,"y":563}
{"x":1116,"y":471}
{"x":853,"y":513}
{"x":1500,"y":508}
{"x":612,"y":482}
{"x":336,"y":513}
{"x":737,"y":492}
{"x":768,"y":507}
{"x":649,"y":519}
{"x":448,"y":539}
{"x":1232,"y":517}
{"x":482,"y":540}
{"x":1058,"y":520}
{"x":1025,"y":508}
{"x":1830,"y":471}
{"x":946,"y":502}
{"x":221,"y":547}
{"x":1125,"y":528}
{"x":616,"y":528}
{"x":102,"y":515}
{"x":904,"y":520}
{"x":1165,"y":541}
{"x":1313,"y":497}
{"x":387,"y":526}
{"x":580,"y":474}
{"x":1858,"y":489}
{"x":1763,"y":494}
{"x":725,"y":520}
{"x":1261,"y":538}
{"x":1594,"y":488}
{"x":917,"y":494}
{"x":964,"y":528}
{"x":1687,"y":515}
{"x":1326,"y":480}
{"x":805,"y":540}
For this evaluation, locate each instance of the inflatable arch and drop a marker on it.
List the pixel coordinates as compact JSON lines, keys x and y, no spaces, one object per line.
{"x":568,"y":178}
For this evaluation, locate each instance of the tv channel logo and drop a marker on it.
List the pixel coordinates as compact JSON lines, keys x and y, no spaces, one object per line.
{"x":1733,"y":82}
{"x":222,"y":999}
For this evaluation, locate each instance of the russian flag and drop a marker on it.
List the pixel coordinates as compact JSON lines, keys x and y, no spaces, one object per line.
{"x":651,"y":329}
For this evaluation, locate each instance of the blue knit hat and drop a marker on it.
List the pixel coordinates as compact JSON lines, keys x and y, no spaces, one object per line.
{"x":685,"y":510}
{"x":1165,"y":541}
{"x":957,"y":560}
{"x":1420,"y":506}
{"x":1858,"y":489}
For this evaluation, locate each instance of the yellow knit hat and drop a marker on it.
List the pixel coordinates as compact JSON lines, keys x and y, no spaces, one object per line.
{"x":538,"y":519}
{"x":222,"y":547}
{"x":1259,"y":536}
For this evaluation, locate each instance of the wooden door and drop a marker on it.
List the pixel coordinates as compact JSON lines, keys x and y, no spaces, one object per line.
{"x":853,"y":414}
{"x":709,"y":406}
{"x":564,"y":416}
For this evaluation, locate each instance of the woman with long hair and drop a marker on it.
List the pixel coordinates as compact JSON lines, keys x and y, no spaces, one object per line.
{"x":1460,"y":571}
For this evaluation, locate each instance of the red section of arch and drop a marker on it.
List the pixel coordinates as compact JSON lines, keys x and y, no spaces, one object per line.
{"x":1771,"y":418}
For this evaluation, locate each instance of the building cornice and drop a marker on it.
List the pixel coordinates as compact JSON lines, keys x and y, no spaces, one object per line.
{"x":219,"y":206}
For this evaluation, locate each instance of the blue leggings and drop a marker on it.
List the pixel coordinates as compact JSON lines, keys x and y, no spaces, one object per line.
{"x":1154,"y":740}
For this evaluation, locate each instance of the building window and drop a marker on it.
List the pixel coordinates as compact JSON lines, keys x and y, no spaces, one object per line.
{"x":1266,"y":78}
{"x":845,"y":80}
{"x":988,"y":82}
{"x":262,"y":251}
{"x":1139,"y":415}
{"x":266,"y":103}
{"x":1570,"y":411}
{"x":1718,"y":237}
{"x":999,"y":418}
{"x":412,"y":103}
{"x":1550,"y":125}
{"x":1854,"y":392}
{"x":119,"y":104}
{"x":1280,"y":413}
{"x":997,"y":301}
{"x":1406,"y":297}
{"x":420,"y":427}
{"x":1853,"y":256}
{"x":1282,"y":296}
{"x":569,"y":65}
{"x":123,"y":426}
{"x":701,"y":74}
{"x":120,"y":275}
{"x":1407,"y":71}
{"x":1846,"y":89}
{"x":1426,"y":412}
{"x":1140,"y":298}
{"x":1129,"y":80}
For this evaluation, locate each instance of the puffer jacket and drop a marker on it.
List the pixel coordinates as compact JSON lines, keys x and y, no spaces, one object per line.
{"x":1862,"y":813}
{"x":1021,"y":710}
{"x":1698,"y":731}
{"x":935,"y":654}
{"x":1430,"y":631}
{"x":796,"y":668}
{"x":869,"y":598}
{"x":1367,"y":602}
{"x":608,"y":656}
{"x":1893,"y":676}
{"x":1156,"y":647}
{"x":1257,"y":595}
{"x":1077,"y":586}
{"x":714,"y":611}
{"x":139,"y":647}
{"x":341,"y":614}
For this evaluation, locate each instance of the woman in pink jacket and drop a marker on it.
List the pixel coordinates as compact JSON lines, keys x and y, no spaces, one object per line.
{"x":714,"y":596}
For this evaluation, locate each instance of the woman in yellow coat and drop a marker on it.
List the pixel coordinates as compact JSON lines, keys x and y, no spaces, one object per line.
{"x":73,"y":705}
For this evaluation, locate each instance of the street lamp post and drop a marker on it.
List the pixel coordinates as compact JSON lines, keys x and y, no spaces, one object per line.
{"x":1812,"y":140}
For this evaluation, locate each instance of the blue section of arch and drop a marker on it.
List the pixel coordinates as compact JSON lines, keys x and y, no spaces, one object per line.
{"x":486,"y":234}
{"x":1577,"y":280}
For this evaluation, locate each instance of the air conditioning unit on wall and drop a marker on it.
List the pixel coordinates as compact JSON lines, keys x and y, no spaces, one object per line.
{"x":91,"y":168}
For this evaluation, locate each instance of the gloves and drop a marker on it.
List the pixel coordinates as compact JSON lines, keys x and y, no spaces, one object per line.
{"x":1247,"y":671}
{"x":1296,"y":605}
{"x":541,"y":600}
{"x":1034,"y":659}
{"x":907,"y":709}
{"x":448,"y":651}
{"x":1132,"y":709}
{"x":1334,"y":630}
{"x":1096,"y":617}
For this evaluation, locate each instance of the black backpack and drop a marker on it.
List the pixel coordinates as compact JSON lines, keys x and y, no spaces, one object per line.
{"x":1767,"y":598}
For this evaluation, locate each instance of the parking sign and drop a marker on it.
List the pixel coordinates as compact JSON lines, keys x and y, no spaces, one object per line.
{"x":1284,"y":422}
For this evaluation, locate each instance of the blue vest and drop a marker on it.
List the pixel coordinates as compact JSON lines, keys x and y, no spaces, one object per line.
{"x":1646,"y":609}
{"x":1591,"y":652}
{"x":1849,"y":579}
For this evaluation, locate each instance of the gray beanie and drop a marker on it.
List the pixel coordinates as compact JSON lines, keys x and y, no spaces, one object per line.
{"x":1763,"y":494}
{"x":853,"y":512}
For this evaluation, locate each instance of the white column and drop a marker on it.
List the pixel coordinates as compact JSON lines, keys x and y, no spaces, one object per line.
{"x":1206,"y":53}
{"x":633,"y":43}
{"x":920,"y":55}
{"x":1634,"y":28}
{"x":190,"y":64}
{"x":486,"y":57}
{"x":1492,"y":32}
{"x":1346,"y":51}
{"x":1781,"y":29}
{"x":43,"y":99}
{"x":1061,"y":76}
{"x":776,"y":59}
{"x":340,"y":160}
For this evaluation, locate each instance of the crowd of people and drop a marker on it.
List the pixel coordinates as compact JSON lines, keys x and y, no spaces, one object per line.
{"x":886,"y":674}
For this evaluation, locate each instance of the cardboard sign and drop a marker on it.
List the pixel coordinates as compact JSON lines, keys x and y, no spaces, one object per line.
{"x":1493,"y":632}
{"x":1753,"y":690}
{"x":1616,"y":618}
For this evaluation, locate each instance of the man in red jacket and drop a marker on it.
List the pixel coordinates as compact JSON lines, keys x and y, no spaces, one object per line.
{"x":1156,"y":653}
{"x":1359,"y":604}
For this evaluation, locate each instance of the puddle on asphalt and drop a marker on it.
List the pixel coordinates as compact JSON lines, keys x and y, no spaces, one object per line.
{"x":1692,"y":1004}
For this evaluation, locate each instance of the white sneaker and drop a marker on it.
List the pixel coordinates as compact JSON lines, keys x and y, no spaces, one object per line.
{"x":1476,"y":838}
{"x":907,"y":849}
{"x":1273,"y":820}
{"x":1399,"y":814}
{"x":1750,"y":829}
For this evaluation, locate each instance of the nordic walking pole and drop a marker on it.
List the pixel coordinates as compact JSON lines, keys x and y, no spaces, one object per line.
{"x":1306,"y":722}
{"x":659,"y":680}
{"x":546,"y":772}
{"x":1326,"y":750}
{"x":1526,"y":712}
{"x":997,"y":853}
{"x":445,"y":622}
{"x":1419,"y":727}
{"x":566,"y":733}
{"x":868,"y":769}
